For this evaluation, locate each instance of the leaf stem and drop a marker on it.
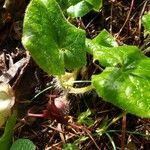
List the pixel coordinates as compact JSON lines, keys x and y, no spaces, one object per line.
{"x":81,"y":90}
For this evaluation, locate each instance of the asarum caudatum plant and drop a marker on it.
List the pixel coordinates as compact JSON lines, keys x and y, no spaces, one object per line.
{"x":57,"y":45}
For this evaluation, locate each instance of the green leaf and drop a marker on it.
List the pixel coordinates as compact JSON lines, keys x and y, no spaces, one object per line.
{"x":70,"y":146}
{"x":84,"y":118}
{"x":146,"y":22}
{"x":121,"y":56}
{"x":97,"y":4}
{"x":23,"y":144}
{"x":126,"y":82}
{"x":83,"y":7}
{"x":53,"y":42}
{"x":6,"y":139}
{"x":64,"y":4}
{"x":80,"y":9}
{"x":81,"y":139}
{"x":103,"y":39}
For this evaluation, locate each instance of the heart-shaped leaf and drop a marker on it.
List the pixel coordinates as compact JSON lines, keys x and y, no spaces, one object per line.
{"x":53,"y":42}
{"x":126,"y":81}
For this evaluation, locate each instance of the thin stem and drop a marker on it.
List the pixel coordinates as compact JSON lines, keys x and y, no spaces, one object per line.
{"x":46,"y":89}
{"x":36,"y":115}
{"x":129,"y":132}
{"x":81,"y":90}
{"x":146,"y":42}
{"x":127,"y":19}
{"x":146,"y":50}
{"x":123,"y":131}
{"x":104,"y":129}
{"x":80,"y":81}
{"x":111,"y":140}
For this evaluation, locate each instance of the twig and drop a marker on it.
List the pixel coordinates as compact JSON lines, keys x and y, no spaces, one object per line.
{"x":87,"y":131}
{"x":123,"y":131}
{"x":127,"y":19}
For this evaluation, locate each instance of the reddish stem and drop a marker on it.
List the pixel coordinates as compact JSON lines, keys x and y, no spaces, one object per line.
{"x":36,"y":115}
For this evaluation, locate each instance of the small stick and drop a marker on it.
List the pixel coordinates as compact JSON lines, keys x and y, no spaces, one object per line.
{"x":123,"y":132}
{"x":127,"y":19}
{"x":87,"y":131}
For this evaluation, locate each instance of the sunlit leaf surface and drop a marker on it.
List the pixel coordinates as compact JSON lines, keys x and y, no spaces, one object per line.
{"x":126,"y":80}
{"x":53,"y":42}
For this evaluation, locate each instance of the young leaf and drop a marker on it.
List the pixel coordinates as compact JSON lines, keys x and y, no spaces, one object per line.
{"x":127,"y":83}
{"x":6,"y":139}
{"x":146,"y":23}
{"x":23,"y":144}
{"x":53,"y":42}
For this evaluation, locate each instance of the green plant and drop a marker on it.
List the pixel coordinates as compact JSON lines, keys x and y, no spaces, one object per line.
{"x":24,"y":144}
{"x":56,"y":45}
{"x":6,"y":139}
{"x":84,"y":118}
